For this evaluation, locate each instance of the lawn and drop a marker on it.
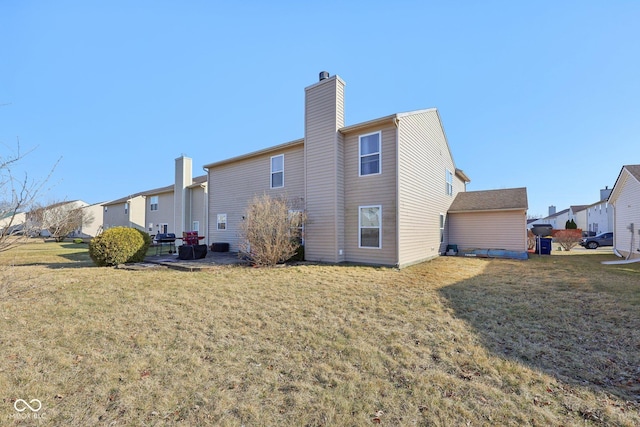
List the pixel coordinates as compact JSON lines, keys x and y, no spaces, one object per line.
{"x":551,"y":341}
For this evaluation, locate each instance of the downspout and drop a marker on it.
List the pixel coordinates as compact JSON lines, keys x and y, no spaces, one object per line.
{"x":396,"y":123}
{"x":206,"y":207}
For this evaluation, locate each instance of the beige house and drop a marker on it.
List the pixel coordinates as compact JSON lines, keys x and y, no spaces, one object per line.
{"x":175,"y":208}
{"x":625,"y":198}
{"x":376,"y":192}
{"x":491,"y":220}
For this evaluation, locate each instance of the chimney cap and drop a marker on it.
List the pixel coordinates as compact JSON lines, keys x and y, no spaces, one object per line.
{"x":324,"y":75}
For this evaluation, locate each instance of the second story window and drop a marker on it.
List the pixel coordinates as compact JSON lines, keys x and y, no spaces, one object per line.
{"x":126,"y":208}
{"x":370,"y":154}
{"x":277,"y":171}
{"x":449,"y":178}
{"x":153,"y":203}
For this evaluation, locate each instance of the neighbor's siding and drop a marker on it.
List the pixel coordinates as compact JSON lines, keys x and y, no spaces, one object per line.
{"x":324,"y":115}
{"x":423,"y":158}
{"x":232,"y":186}
{"x":164,"y":214}
{"x":367,"y":191}
{"x":627,"y":211}
{"x":198,"y":210}
{"x":489,"y":230}
{"x":116,"y":217}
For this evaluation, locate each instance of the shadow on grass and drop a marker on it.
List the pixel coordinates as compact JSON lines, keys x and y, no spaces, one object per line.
{"x":571,"y":318}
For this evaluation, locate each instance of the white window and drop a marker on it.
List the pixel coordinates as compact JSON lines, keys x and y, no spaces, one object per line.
{"x":106,"y":208}
{"x":277,"y":171}
{"x":153,"y":203}
{"x":370,"y":154}
{"x":163,"y":228}
{"x":195,"y":226}
{"x":441,"y":228}
{"x":369,"y":224}
{"x":222,"y":221}
{"x":449,"y":178}
{"x":150,"y":226}
{"x":126,"y":208}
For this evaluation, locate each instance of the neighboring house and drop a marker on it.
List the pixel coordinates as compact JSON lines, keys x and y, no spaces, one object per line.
{"x":492,"y":219}
{"x":557,"y":220}
{"x":175,"y":208}
{"x":11,"y":224}
{"x":600,"y":214}
{"x":625,"y":198}
{"x":375,"y":192}
{"x":91,"y":222}
{"x":578,"y":213}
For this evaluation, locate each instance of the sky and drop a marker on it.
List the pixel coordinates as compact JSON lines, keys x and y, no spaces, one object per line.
{"x":103,"y":96}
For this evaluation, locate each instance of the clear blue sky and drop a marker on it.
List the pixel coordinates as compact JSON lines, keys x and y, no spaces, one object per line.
{"x":543,"y":94}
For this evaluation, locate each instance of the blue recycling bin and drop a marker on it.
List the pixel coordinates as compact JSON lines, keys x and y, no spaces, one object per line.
{"x":543,"y":246}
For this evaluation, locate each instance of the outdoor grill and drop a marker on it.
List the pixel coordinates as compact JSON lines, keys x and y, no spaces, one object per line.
{"x":163,"y":239}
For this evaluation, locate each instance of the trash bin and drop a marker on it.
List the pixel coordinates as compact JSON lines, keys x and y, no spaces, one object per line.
{"x":543,"y":246}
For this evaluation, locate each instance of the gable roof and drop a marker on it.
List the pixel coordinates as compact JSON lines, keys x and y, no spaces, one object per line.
{"x":578,"y":208}
{"x":490,"y":200}
{"x":632,"y":170}
{"x":159,"y":190}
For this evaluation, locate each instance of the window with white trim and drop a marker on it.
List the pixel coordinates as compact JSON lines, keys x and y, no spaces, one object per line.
{"x":449,"y":178}
{"x":441,"y":228}
{"x":369,"y":153}
{"x":222,"y":221}
{"x":195,"y":226}
{"x":153,"y":203}
{"x":126,"y":208}
{"x":370,"y":226}
{"x":277,"y":171}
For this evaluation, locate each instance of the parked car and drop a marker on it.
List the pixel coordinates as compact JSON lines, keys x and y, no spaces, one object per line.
{"x":602,"y":239}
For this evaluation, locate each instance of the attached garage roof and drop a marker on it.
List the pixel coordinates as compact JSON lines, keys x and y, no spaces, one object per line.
{"x":490,"y":200}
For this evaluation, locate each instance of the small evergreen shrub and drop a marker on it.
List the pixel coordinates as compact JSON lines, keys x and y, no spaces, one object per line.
{"x":119,"y":245}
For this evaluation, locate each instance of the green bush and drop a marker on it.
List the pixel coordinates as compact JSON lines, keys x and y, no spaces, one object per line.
{"x":78,"y":241}
{"x":119,"y":245}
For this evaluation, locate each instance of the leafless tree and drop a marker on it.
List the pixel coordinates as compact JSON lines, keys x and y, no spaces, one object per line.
{"x":17,"y":196}
{"x":59,"y":219}
{"x":271,"y":231}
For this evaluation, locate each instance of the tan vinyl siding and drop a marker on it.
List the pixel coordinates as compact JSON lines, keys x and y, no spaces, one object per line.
{"x":198,"y":204}
{"x":233,"y":185}
{"x":323,"y":116}
{"x":489,"y":230}
{"x":115,"y":215}
{"x":164,"y":215}
{"x":370,"y":190}
{"x":627,"y":211}
{"x":423,"y":158}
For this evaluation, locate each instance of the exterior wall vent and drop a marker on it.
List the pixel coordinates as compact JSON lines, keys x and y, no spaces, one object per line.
{"x":324,"y":75}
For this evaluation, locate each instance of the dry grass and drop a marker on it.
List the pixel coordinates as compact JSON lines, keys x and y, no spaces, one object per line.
{"x":455,"y":341}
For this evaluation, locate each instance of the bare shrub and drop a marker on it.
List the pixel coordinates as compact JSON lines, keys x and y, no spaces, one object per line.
{"x":271,"y":231}
{"x":567,"y":239}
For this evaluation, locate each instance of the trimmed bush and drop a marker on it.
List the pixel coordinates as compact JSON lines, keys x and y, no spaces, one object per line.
{"x":78,"y":241}
{"x":119,"y":245}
